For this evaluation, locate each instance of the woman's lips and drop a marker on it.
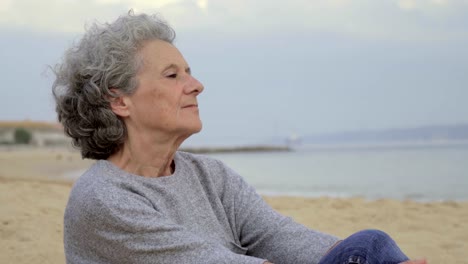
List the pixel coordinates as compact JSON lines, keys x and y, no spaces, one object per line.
{"x":191,"y":106}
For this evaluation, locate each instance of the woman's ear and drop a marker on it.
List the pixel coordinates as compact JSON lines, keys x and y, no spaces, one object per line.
{"x":119,"y":103}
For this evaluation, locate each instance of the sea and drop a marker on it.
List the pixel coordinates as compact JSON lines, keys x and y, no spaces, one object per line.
{"x":420,"y":173}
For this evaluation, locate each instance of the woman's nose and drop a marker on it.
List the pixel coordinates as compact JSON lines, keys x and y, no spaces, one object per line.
{"x":194,"y":86}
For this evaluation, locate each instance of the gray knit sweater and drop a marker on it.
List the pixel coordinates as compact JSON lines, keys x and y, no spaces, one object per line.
{"x":203,"y":213}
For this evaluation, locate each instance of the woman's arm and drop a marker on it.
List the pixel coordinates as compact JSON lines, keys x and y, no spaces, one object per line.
{"x":266,"y":233}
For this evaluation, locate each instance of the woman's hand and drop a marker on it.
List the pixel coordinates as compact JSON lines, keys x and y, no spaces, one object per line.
{"x":419,"y":261}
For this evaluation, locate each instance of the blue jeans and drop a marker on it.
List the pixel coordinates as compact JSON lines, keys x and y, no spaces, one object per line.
{"x":365,"y":247}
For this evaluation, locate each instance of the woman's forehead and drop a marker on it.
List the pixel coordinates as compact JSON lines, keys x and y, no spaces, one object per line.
{"x":158,"y":54}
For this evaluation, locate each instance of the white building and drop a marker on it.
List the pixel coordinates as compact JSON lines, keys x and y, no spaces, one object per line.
{"x":42,"y":133}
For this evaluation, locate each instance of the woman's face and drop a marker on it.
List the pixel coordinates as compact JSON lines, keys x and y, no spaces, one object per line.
{"x":166,"y":97}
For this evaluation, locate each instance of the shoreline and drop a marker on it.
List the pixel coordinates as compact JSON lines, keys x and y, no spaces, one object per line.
{"x":236,"y":149}
{"x":70,"y":176}
{"x":61,"y":164}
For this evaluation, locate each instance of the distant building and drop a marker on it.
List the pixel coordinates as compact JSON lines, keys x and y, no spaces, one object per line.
{"x":42,"y":133}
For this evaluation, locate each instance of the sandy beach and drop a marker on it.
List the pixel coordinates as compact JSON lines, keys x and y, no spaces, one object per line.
{"x":34,"y":192}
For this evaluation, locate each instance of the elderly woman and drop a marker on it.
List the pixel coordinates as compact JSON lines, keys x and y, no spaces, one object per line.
{"x":126,"y":97}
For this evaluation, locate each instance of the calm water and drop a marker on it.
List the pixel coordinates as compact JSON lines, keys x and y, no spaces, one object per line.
{"x":423,"y":174}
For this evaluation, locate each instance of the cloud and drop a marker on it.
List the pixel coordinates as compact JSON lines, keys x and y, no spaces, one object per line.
{"x":67,"y":16}
{"x":202,"y":4}
{"x":407,"y":4}
{"x":427,"y":4}
{"x":5,"y":5}
{"x":393,"y":19}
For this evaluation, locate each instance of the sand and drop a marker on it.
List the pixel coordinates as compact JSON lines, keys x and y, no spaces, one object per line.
{"x":33,"y":195}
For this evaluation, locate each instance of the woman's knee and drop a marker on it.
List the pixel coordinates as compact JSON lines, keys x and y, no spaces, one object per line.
{"x":374,"y":238}
{"x":366,"y":246}
{"x":374,"y":234}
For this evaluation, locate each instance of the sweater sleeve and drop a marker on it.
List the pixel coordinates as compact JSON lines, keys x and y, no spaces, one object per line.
{"x":266,"y":233}
{"x":123,"y":227}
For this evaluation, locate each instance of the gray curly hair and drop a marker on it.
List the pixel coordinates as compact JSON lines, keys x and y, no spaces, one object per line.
{"x":104,"y":59}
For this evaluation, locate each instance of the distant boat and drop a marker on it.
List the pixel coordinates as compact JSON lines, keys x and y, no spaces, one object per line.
{"x":293,"y":140}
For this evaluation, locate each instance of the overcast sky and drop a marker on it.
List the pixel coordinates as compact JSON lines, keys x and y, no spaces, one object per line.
{"x":270,"y":68}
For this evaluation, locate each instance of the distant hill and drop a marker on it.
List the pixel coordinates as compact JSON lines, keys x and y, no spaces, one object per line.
{"x":427,"y":134}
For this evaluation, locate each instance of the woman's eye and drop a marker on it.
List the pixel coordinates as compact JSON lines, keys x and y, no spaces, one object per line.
{"x":174,"y":75}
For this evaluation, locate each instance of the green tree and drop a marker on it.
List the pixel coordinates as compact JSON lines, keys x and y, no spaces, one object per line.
{"x":22,"y":136}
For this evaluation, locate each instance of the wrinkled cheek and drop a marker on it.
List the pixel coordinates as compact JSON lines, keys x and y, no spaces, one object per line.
{"x":168,"y":116}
